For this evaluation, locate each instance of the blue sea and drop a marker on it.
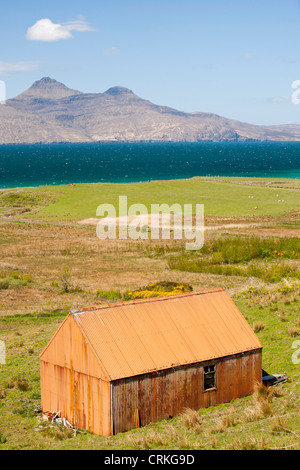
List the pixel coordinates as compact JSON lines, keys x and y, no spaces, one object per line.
{"x":53,"y":164}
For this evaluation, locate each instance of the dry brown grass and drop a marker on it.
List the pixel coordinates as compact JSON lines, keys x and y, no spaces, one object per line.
{"x":282,"y":316}
{"x":224,"y":423}
{"x":258,"y":326}
{"x":170,"y":437}
{"x":191,"y":419}
{"x":293,"y":331}
{"x":2,"y":392}
{"x":260,"y":410}
{"x":261,"y":398}
{"x":251,"y":443}
{"x":262,"y":393}
{"x":279,"y":425}
{"x":44,"y":250}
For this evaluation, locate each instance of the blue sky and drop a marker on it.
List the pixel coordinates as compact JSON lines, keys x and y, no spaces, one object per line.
{"x":235,"y":58}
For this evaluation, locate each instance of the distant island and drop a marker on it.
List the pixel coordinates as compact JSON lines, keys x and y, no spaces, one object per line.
{"x":50,"y":112}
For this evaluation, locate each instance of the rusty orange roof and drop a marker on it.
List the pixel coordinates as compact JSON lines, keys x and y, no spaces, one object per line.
{"x":136,"y":337}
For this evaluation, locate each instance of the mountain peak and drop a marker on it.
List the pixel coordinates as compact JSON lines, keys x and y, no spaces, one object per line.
{"x":48,"y":88}
{"x":119,"y":90}
{"x":47,"y":81}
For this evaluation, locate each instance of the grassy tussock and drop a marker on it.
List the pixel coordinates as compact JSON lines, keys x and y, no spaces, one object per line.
{"x":267,"y":272}
{"x":251,"y":443}
{"x":224,"y":422}
{"x":262,"y":398}
{"x":293,"y":331}
{"x":15,"y":281}
{"x":267,"y":259}
{"x":19,"y":382}
{"x":191,"y":419}
{"x":258,"y":326}
{"x":110,"y":294}
{"x":244,"y":249}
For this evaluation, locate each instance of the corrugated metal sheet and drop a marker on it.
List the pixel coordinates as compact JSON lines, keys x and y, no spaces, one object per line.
{"x":71,"y":383}
{"x":69,"y":348}
{"x":138,"y":337}
{"x":139,"y":400}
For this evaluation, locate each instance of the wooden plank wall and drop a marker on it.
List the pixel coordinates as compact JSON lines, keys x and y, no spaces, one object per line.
{"x":137,"y":401}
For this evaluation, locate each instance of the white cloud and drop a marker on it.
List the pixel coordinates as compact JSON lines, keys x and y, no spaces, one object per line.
{"x":247,"y":55}
{"x":47,"y":31}
{"x":111,"y":51}
{"x":278,"y":99}
{"x":6,"y":67}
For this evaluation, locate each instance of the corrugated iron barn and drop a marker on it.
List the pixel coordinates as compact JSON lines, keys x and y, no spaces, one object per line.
{"x":116,"y":367}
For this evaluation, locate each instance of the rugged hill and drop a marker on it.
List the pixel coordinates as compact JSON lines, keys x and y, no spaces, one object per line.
{"x":51,"y":112}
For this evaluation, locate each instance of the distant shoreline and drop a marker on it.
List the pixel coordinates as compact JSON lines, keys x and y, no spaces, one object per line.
{"x":242,"y":180}
{"x":203,"y":141}
{"x":203,"y":178}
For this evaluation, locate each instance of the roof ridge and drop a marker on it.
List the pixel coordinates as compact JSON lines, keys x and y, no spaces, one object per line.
{"x":150,"y":299}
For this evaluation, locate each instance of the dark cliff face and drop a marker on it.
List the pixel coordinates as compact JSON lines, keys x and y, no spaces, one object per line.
{"x":49,"y":111}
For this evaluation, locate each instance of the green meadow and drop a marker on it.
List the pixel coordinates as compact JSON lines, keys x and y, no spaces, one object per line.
{"x":234,"y":197}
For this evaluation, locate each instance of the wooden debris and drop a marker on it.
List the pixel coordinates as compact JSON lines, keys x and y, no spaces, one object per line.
{"x":54,"y":418}
{"x":274,"y":379}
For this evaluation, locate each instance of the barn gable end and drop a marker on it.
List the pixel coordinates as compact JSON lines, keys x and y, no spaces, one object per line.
{"x":70,"y":348}
{"x":73,"y":380}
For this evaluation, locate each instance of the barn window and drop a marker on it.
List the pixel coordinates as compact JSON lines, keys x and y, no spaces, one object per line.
{"x":209,"y":377}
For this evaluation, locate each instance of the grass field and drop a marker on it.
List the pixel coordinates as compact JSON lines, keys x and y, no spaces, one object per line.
{"x":235,"y":197}
{"x":43,"y":249}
